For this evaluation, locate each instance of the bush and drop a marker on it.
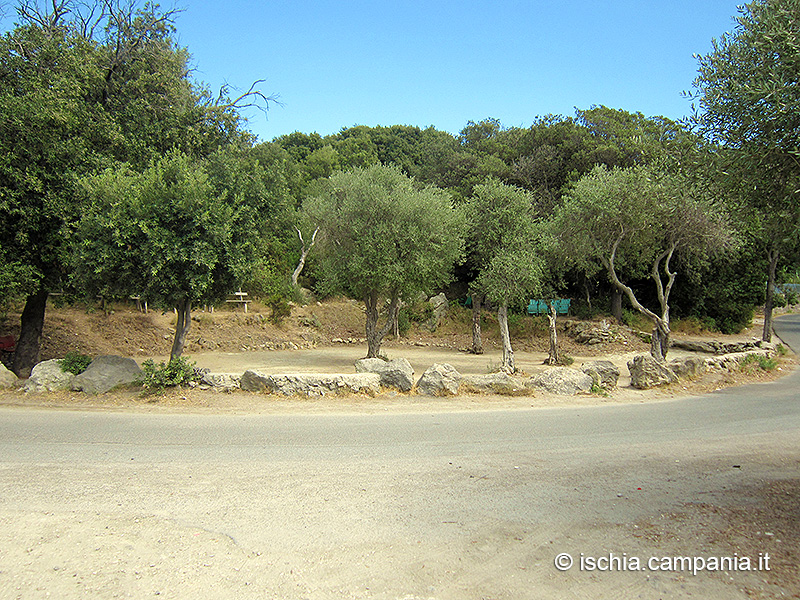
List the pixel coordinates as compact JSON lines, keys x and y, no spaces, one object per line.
{"x":75,"y":363}
{"x":403,"y":321}
{"x":159,"y":377}
{"x":280,"y":308}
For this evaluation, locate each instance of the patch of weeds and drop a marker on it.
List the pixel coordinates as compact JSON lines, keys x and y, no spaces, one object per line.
{"x":781,"y":350}
{"x":694,"y":325}
{"x":762,"y":362}
{"x":156,"y":378}
{"x":599,"y":390}
{"x":636,"y":320}
{"x":311,"y":321}
{"x":204,"y":320}
{"x":75,"y":363}
{"x":493,"y":367}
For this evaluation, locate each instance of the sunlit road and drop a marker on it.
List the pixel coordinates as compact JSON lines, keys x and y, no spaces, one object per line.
{"x":440,"y":505}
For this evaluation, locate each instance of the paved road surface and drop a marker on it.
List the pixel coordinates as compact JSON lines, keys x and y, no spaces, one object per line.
{"x":441,"y":505}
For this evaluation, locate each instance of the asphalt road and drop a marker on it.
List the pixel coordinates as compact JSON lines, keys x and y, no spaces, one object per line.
{"x":439,"y":505}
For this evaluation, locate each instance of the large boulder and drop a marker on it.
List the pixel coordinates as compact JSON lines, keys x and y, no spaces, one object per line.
{"x":492,"y":383}
{"x":47,"y":376}
{"x":688,"y":366}
{"x":396,"y":373}
{"x":563,"y":381}
{"x":7,"y":378}
{"x":647,"y":372}
{"x":604,"y":373}
{"x":439,"y":379}
{"x":105,"y":373}
{"x":311,"y":384}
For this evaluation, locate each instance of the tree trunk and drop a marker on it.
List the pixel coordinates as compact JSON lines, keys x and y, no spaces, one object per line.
{"x":303,"y":254}
{"x":659,"y":346}
{"x":30,"y":334}
{"x":508,"y":352}
{"x":616,"y":305}
{"x":184,"y":312}
{"x":552,"y":357}
{"x":374,"y":333}
{"x":587,"y":292}
{"x":773,"y":256}
{"x":477,"y":341}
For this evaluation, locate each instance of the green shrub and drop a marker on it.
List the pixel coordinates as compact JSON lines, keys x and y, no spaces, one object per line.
{"x":75,"y":363}
{"x":403,"y":321}
{"x":420,"y":312}
{"x":159,"y":377}
{"x":279,"y":307}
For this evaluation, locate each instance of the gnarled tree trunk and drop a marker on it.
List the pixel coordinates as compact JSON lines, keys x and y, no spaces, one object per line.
{"x":184,"y":310}
{"x":507,"y":363}
{"x":659,"y":345}
{"x":661,"y":332}
{"x":374,"y":333}
{"x":30,"y":334}
{"x":552,"y":357}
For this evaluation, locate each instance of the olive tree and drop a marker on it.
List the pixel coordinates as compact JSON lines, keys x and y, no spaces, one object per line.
{"x":382,"y":237}
{"x":501,"y":245}
{"x":639,"y":221}
{"x":748,"y":95}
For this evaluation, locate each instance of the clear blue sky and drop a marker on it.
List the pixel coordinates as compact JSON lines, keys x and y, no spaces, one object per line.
{"x":338,"y":63}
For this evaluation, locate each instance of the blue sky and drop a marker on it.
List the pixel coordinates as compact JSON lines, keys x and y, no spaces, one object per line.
{"x":444,"y":62}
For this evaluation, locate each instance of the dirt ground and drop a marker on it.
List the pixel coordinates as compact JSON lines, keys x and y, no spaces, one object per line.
{"x":328,"y":337}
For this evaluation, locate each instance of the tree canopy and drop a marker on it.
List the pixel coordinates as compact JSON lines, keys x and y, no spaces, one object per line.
{"x":748,"y":93}
{"x":636,"y":222}
{"x":383,"y":236}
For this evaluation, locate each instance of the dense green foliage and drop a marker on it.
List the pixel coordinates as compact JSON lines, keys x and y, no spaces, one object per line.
{"x":383,"y":236}
{"x":158,"y":377}
{"x":75,"y":363}
{"x":748,"y":90}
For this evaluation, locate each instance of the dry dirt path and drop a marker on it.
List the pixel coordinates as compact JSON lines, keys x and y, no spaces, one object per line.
{"x":411,"y":505}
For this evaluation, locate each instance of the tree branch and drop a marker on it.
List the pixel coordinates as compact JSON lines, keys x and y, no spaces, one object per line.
{"x":609,"y":264}
{"x":252,"y":98}
{"x":303,"y":253}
